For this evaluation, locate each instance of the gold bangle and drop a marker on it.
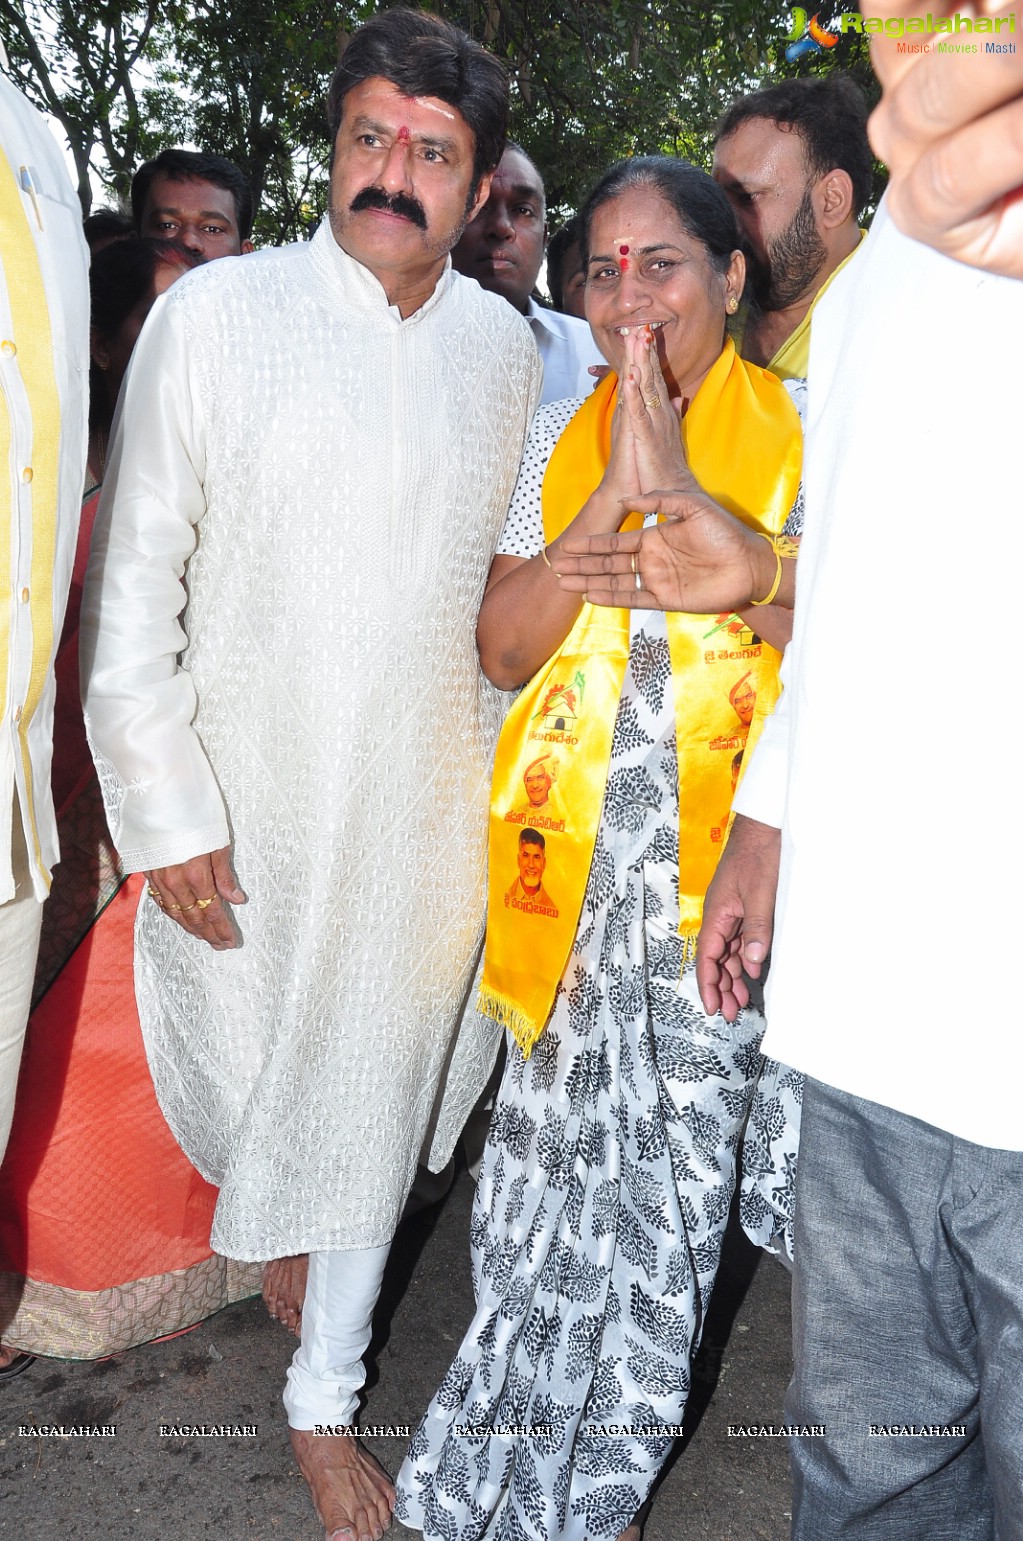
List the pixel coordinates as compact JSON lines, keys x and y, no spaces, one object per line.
{"x":776,"y":585}
{"x":550,"y":564}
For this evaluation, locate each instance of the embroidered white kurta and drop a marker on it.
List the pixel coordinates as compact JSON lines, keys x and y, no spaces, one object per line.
{"x":329,"y":481}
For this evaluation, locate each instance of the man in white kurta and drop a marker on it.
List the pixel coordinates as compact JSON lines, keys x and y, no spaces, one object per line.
{"x":327,"y":469}
{"x":863,"y":831}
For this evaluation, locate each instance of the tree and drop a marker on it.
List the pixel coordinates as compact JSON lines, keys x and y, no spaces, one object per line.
{"x":84,"y":63}
{"x":265,"y":66}
{"x":592,"y":80}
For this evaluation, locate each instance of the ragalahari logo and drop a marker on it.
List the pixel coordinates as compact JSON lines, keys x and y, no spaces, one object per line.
{"x":808,"y":36}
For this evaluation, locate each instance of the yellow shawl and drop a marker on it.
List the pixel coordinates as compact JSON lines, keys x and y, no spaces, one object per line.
{"x":743,"y":441}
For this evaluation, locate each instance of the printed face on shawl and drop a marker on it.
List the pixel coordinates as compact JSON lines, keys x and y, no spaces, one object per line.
{"x":400,"y":184}
{"x":532,"y":861}
{"x":646,"y":270}
{"x":538,"y":786}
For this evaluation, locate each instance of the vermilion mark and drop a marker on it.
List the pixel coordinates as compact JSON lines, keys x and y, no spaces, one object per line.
{"x":404,"y":137}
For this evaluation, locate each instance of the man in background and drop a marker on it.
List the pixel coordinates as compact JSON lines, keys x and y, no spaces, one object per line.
{"x":202,"y":201}
{"x":871,"y":877}
{"x":502,"y":248}
{"x":796,"y":165}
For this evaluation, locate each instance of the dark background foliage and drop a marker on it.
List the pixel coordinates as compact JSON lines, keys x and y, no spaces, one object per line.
{"x":592,"y":80}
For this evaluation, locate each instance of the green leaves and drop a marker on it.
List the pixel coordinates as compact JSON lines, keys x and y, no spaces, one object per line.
{"x":592,"y":80}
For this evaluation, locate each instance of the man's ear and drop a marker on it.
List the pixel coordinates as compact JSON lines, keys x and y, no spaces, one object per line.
{"x":482,"y":194}
{"x":834,"y":199}
{"x":247,"y":246}
{"x":98,"y":349}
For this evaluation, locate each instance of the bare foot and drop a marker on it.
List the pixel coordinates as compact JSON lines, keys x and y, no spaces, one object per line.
{"x":284,"y":1290}
{"x":353,"y":1495}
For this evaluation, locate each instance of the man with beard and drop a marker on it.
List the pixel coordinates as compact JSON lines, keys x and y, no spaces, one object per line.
{"x":322,"y":442}
{"x":796,"y":165}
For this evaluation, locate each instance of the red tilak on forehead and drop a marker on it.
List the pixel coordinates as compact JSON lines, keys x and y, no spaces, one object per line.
{"x":404,"y":137}
{"x":624,"y":264}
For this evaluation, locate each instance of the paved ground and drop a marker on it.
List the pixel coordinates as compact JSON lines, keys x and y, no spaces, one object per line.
{"x":144,"y":1486}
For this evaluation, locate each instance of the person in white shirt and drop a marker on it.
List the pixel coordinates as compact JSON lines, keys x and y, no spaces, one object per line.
{"x":862,"y":847}
{"x":44,"y":365}
{"x":322,"y":441}
{"x":502,"y":248}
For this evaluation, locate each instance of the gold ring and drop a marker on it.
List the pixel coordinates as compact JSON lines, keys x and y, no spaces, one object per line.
{"x":204,"y":904}
{"x":182,"y":908}
{"x":651,"y":403}
{"x":633,"y":563}
{"x":154,"y":893}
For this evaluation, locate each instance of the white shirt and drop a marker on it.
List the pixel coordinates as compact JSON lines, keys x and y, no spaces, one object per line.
{"x":44,"y":356}
{"x":889,"y":763}
{"x":331,"y":480}
{"x":567,"y":349}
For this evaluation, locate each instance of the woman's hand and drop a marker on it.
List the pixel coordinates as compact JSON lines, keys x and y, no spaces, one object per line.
{"x":700,"y":559}
{"x":654,"y":418}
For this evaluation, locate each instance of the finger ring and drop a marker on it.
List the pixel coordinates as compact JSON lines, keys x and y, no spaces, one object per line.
{"x":639,"y":581}
{"x":154,"y":893}
{"x":633,"y":564}
{"x":651,"y":403}
{"x":204,"y":904}
{"x":181,"y":908}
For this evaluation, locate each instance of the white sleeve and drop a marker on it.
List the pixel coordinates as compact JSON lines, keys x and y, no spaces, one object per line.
{"x":162,"y":799}
{"x":523,"y":528}
{"x":761,"y":792}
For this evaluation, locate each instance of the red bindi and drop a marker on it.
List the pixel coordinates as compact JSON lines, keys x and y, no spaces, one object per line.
{"x":624,"y":250}
{"x":624,"y":264}
{"x":404,"y":137}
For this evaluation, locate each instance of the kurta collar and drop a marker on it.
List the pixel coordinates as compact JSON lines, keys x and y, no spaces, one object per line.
{"x":349,"y":283}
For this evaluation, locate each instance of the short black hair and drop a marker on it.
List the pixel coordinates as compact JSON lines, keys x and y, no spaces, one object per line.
{"x":513,"y":144}
{"x":195,"y":166}
{"x":702,"y":208}
{"x":120,"y":275}
{"x":530,"y":836}
{"x":830,"y":117}
{"x":105,"y":225}
{"x":558,"y":247}
{"x":423,"y":55}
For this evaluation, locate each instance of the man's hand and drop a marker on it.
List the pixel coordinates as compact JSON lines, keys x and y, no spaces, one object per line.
{"x":195,"y":894}
{"x":701,"y":559}
{"x":738,"y":917}
{"x":951,"y":134}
